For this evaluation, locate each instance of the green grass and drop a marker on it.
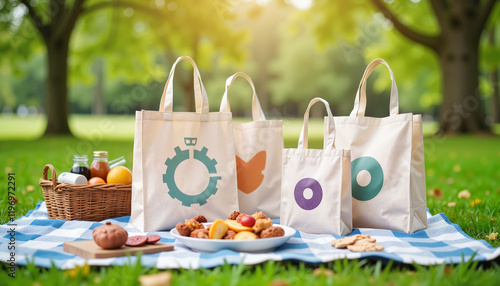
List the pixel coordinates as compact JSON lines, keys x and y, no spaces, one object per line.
{"x":341,"y":272}
{"x":453,"y":164}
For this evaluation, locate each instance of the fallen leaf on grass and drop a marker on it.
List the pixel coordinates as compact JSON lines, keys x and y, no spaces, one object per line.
{"x":475,"y":202}
{"x":452,"y":204}
{"x":447,"y":270}
{"x":492,"y":236}
{"x":465,"y":194}
{"x":278,"y":282}
{"x":320,"y":271}
{"x":158,"y":279}
{"x":430,"y":172}
{"x":437,"y":193}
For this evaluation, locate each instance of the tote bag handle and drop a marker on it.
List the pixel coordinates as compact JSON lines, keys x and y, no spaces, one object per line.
{"x":329,"y":142}
{"x":360,"y":100}
{"x":200,"y":94}
{"x":257,"y":113}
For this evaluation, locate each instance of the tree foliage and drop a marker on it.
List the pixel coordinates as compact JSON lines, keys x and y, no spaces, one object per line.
{"x":135,"y":37}
{"x":419,"y":38}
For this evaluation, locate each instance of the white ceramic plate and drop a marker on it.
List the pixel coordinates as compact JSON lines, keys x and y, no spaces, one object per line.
{"x":212,"y":245}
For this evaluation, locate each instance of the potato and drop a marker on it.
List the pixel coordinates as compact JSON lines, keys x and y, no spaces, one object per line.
{"x":245,"y":235}
{"x":218,"y":229}
{"x":236,"y":226}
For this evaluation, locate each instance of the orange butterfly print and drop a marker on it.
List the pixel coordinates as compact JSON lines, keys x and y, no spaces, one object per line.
{"x":250,"y":173}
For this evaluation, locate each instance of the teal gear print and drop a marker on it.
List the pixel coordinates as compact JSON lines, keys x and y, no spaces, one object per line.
{"x":181,"y":156}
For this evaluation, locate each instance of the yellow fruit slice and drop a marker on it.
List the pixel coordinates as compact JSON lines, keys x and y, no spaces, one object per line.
{"x":245,"y":235}
{"x":218,"y":229}
{"x":236,"y":226}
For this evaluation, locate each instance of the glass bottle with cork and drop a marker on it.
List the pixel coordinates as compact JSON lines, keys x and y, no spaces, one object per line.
{"x":100,"y":166}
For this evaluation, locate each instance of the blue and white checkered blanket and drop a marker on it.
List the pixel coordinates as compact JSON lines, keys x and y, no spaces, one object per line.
{"x":40,"y":239}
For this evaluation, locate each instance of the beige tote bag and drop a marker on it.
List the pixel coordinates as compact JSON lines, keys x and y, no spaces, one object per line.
{"x":316,"y":184}
{"x":184,"y":162}
{"x":258,"y":157}
{"x":388,"y":172}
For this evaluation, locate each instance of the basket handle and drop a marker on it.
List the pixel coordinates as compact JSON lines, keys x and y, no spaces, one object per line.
{"x":53,"y":171}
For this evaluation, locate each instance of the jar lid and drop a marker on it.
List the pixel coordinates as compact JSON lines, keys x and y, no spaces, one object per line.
{"x":100,"y":154}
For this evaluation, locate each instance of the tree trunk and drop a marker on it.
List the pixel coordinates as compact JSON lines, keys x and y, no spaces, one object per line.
{"x":457,"y":47}
{"x":462,"y":107}
{"x":495,"y":103}
{"x":56,"y":104}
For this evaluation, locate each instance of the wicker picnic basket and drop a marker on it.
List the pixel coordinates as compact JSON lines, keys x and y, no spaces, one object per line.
{"x":84,"y":202}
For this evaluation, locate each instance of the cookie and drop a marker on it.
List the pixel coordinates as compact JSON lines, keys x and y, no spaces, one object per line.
{"x":350,"y":240}
{"x":362,"y":246}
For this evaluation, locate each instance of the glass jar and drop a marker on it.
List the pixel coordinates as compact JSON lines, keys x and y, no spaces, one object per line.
{"x":100,"y":166}
{"x":80,"y":166}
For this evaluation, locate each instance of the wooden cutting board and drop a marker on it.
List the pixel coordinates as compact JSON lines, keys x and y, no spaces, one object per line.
{"x":89,"y":249}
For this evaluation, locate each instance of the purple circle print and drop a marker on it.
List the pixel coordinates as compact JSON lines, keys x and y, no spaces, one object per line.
{"x":317,"y":196}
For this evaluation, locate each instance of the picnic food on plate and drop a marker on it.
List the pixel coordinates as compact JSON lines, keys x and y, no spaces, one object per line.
{"x":238,"y":226}
{"x":272,"y":231}
{"x":358,"y":243}
{"x":110,"y":236}
{"x":218,"y":229}
{"x":247,"y":220}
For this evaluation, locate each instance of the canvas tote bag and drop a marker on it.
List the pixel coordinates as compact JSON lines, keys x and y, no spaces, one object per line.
{"x":316,"y":184}
{"x":184,"y":162}
{"x":258,"y":157}
{"x":388,"y":172}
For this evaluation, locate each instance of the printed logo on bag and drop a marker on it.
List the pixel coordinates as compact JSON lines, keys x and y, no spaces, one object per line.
{"x":175,"y":161}
{"x":367,"y":178}
{"x":250,"y":175}
{"x":317,"y":194}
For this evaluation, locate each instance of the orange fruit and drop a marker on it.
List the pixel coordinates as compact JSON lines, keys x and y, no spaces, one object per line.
{"x":96,"y":180}
{"x":119,"y":175}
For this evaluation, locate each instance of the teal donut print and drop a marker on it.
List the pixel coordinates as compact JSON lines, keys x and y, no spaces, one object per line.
{"x":368,"y":192}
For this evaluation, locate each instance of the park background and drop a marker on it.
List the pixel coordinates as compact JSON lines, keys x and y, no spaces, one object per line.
{"x":73,"y":73}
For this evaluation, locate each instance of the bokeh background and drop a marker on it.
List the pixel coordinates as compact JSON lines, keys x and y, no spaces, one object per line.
{"x":61,"y":60}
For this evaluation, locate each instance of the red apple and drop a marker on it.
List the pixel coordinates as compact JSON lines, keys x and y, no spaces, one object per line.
{"x":247,"y":221}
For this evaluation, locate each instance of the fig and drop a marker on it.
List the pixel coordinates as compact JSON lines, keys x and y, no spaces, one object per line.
{"x":110,"y":236}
